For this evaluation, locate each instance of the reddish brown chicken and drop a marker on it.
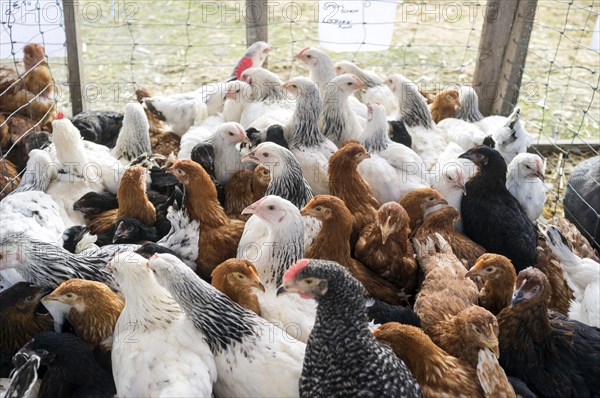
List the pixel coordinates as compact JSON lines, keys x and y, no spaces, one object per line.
{"x":498,"y":276}
{"x":235,"y":278}
{"x":161,"y":140}
{"x":244,"y":188}
{"x":333,"y":244}
{"x":346,"y":183}
{"x":9,"y":177}
{"x":133,"y":203}
{"x":383,"y":246}
{"x":219,"y":235}
{"x":442,"y":222}
{"x":419,"y":203}
{"x":444,"y":104}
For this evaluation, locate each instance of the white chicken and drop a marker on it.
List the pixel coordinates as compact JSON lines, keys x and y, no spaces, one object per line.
{"x":465,"y":134}
{"x":427,"y":139}
{"x":525,"y":181}
{"x":237,"y":94}
{"x":155,"y":349}
{"x":311,"y":148}
{"x":376,"y":91}
{"x":582,"y":276}
{"x":393,"y":169}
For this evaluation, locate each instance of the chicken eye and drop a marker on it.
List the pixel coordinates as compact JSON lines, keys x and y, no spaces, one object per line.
{"x":318,"y":208}
{"x":271,"y":207}
{"x":349,"y":83}
{"x":450,"y":178}
{"x":231,"y":134}
{"x":266,"y":172}
{"x":308,"y":56}
{"x":240,"y":276}
{"x":535,"y":289}
{"x":489,"y":269}
{"x":70,"y":295}
{"x":266,"y":155}
{"x":309,"y":281}
{"x":29,"y":298}
{"x":431,"y":198}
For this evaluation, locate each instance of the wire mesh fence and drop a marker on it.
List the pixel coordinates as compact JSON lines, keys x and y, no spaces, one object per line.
{"x":177,"y":46}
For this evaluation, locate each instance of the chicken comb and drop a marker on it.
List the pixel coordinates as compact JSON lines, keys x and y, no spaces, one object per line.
{"x":301,"y":53}
{"x":59,"y":116}
{"x":244,"y":64}
{"x":295,"y":269}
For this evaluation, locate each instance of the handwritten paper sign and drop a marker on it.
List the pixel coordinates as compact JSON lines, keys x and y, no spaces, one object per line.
{"x":356,"y":25}
{"x":24,"y":21}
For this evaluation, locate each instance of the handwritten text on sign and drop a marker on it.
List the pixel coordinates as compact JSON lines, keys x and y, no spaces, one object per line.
{"x":356,"y":25}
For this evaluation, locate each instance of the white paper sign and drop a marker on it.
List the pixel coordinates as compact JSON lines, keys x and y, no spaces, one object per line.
{"x":22,"y":23}
{"x":356,"y":25}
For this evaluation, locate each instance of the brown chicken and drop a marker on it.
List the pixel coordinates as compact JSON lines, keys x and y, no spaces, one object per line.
{"x":549,"y":264}
{"x":19,"y":320}
{"x":445,"y":291}
{"x":333,"y":243}
{"x":444,"y":105}
{"x":4,"y":134}
{"x":442,"y":222}
{"x":491,"y":376}
{"x":91,"y":308}
{"x":463,"y":335}
{"x":498,"y":276}
{"x":133,"y":203}
{"x":383,"y":246}
{"x":438,"y":373}
{"x":420,"y":202}
{"x":346,"y":183}
{"x":235,"y":278}
{"x":428,"y":96}
{"x":244,"y":188}
{"x":9,"y":177}
{"x":38,"y":78}
{"x":219,"y":235}
{"x":161,"y":140}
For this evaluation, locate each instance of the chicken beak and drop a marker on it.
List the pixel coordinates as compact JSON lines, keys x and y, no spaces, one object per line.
{"x":257,"y":284}
{"x":170,"y":170}
{"x":288,"y":288}
{"x":519,"y":295}
{"x":250,"y":158}
{"x":492,"y":342}
{"x":306,"y":211}
{"x":244,"y":138}
{"x":250,"y":209}
{"x":386,"y":231}
{"x":466,"y":155}
{"x":472,"y":273}
{"x":367,"y":155}
{"x":442,"y":201}
{"x":539,"y":175}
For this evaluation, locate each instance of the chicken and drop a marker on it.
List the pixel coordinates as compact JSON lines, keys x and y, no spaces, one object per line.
{"x":162,"y":141}
{"x":90,"y":307}
{"x":204,"y":154}
{"x":234,"y":335}
{"x":383,"y":246}
{"x":582,"y":276}
{"x":219,"y":235}
{"x":491,"y":216}
{"x":24,"y":135}
{"x":282,"y":247}
{"x":555,"y":356}
{"x":309,"y":146}
{"x":444,"y":105}
{"x":427,"y":139}
{"x":465,"y":334}
{"x":525,"y":181}
{"x":493,"y":379}
{"x":549,"y":264}
{"x":131,"y":230}
{"x":338,"y":122}
{"x":244,"y":188}
{"x":581,"y":246}
{"x":134,"y":136}
{"x":581,"y":202}
{"x":393,"y":169}
{"x":375,"y":89}
{"x":463,"y":134}
{"x":469,"y":105}
{"x":71,"y":369}
{"x":235,"y":278}
{"x":237,"y":94}
{"x":254,"y":57}
{"x":166,"y":358}
{"x":333,"y":244}
{"x":380,"y":312}
{"x":181,"y":111}
{"x":419,"y":203}
{"x":442,"y":222}
{"x":227,"y":157}
{"x":437,"y":372}
{"x":101,"y":127}
{"x":9,"y":177}
{"x":20,"y":321}
{"x":498,"y":276}
{"x":133,"y":202}
{"x":346,"y":183}
{"x":445,"y":292}
{"x":328,"y":367}
{"x":37,"y":78}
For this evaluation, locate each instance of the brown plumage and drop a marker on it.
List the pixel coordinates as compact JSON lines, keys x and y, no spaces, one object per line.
{"x":161,"y":140}
{"x":442,"y":221}
{"x":444,"y":104}
{"x":498,"y":275}
{"x":581,"y":246}
{"x":428,"y":96}
{"x":219,"y":235}
{"x":383,"y":246}
{"x":346,"y":183}
{"x":9,"y":177}
{"x":19,"y":321}
{"x":93,"y":310}
{"x":4,"y":133}
{"x":38,"y":79}
{"x":333,"y":243}
{"x":438,"y":373}
{"x":15,"y":127}
{"x":244,"y":188}
{"x":235,"y":278}
{"x":445,"y":291}
{"x":549,"y":264}
{"x":420,"y":202}
{"x":133,"y":203}
{"x":463,"y":335}
{"x":491,"y":376}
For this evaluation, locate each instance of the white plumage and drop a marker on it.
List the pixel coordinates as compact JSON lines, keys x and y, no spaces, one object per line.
{"x":156,"y":351}
{"x":524,"y":182}
{"x":465,"y":134}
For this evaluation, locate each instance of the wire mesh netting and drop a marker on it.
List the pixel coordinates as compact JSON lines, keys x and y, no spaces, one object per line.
{"x":177,"y":46}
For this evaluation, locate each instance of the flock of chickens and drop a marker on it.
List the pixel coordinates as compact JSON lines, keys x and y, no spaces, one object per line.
{"x":335,"y":235}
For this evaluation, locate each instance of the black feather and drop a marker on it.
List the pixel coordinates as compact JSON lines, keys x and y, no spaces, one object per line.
{"x":101,"y":127}
{"x":381,"y":312}
{"x":398,"y":133}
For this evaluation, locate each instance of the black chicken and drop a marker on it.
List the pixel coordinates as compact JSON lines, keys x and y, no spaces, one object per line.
{"x":101,"y":127}
{"x":204,"y":155}
{"x":491,"y":216}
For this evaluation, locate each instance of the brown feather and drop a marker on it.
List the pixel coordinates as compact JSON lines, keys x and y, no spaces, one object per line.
{"x":244,"y":188}
{"x":226,"y":278}
{"x":419,"y":202}
{"x":444,"y":104}
{"x":499,"y":276}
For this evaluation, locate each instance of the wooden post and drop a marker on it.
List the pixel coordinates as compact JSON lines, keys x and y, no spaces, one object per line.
{"x":257,"y":19}
{"x":74,"y":59}
{"x":502,"y":54}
